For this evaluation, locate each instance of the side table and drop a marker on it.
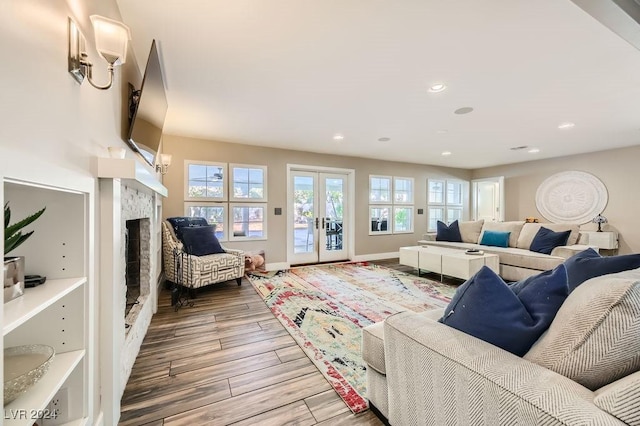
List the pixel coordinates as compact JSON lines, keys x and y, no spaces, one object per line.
{"x":605,"y":240}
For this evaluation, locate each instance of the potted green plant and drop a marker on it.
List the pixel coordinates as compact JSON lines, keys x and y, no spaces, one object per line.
{"x":14,"y":265}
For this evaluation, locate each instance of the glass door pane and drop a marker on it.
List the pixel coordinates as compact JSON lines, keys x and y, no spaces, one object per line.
{"x":303,"y":213}
{"x":333,"y":188}
{"x":334,"y":205}
{"x":317,"y":222}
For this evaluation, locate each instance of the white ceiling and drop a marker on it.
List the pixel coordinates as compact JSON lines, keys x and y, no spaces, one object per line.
{"x":292,"y":73}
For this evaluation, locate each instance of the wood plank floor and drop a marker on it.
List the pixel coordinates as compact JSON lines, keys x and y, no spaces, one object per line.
{"x":228,"y":361}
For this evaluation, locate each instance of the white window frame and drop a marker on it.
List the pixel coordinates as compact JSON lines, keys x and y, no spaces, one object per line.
{"x":392,"y":204}
{"x":225,"y":214}
{"x":412,"y":190}
{"x":247,"y":237}
{"x":389,"y":219}
{"x":232,"y":196}
{"x":446,"y":205}
{"x":225,"y":180}
{"x":390,"y":179}
{"x":411,"y":212}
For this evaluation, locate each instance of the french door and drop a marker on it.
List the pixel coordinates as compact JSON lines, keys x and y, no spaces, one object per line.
{"x":319,"y":217}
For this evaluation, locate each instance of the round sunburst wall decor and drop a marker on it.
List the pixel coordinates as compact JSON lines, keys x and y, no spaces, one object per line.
{"x":571,"y":197}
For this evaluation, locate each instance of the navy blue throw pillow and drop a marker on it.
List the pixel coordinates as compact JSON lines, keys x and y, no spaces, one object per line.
{"x":495,"y":238}
{"x":448,"y":233}
{"x":546,"y":240}
{"x":485,"y":307}
{"x":200,"y":240}
{"x":589,"y":264}
{"x":184,"y":221}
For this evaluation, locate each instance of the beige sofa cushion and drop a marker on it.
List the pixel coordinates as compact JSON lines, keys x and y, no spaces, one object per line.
{"x":621,"y":398}
{"x":373,"y":346}
{"x":595,"y":336}
{"x":514,"y":227}
{"x":373,"y":341}
{"x":470,"y":230}
{"x":529,"y":231}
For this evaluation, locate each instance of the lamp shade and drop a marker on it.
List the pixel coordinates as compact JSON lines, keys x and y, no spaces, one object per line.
{"x":112,"y":38}
{"x":599,"y":219}
{"x":165,"y":159}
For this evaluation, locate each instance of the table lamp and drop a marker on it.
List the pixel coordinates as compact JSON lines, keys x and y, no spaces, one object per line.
{"x":599,"y":220}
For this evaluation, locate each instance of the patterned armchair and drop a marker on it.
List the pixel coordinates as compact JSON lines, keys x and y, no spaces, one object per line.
{"x":198,"y":271}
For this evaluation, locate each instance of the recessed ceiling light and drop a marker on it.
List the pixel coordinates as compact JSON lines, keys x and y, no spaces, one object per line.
{"x":534,"y":150}
{"x":463,"y":110}
{"x":446,"y":153}
{"x":439,"y":87}
{"x":384,"y":139}
{"x":441,"y":131}
{"x":566,"y":125}
{"x":338,"y":137}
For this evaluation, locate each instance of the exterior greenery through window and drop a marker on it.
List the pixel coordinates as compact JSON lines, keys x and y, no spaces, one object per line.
{"x":248,"y":182}
{"x":390,"y":197}
{"x":209,"y":187}
{"x":445,"y":201}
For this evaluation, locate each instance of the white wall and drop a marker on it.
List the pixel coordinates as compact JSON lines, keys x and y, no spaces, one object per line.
{"x":618,"y":169}
{"x":45,"y":115}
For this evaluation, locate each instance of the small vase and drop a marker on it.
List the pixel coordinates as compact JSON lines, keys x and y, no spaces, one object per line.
{"x":13,"y":277}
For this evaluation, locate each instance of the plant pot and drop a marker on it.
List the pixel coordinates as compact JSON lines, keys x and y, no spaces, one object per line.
{"x":13,"y":277}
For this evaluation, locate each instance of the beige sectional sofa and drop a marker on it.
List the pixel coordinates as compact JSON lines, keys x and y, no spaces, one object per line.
{"x":516,"y":261}
{"x":583,"y":371}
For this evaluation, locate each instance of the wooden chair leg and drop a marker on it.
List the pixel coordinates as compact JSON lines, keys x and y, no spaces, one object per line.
{"x":239,"y":280}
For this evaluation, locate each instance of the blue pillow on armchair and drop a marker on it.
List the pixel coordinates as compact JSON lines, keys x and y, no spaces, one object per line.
{"x":201,"y":240}
{"x":485,"y":307}
{"x":448,"y":233}
{"x":185,"y":221}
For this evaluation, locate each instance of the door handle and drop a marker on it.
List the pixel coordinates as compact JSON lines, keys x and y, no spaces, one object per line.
{"x":317,"y":223}
{"x":323,"y":219}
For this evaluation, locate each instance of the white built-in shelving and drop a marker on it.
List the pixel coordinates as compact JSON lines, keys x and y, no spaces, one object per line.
{"x":61,"y":312}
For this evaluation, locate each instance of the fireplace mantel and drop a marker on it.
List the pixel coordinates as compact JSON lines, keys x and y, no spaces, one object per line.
{"x":129,"y":168}
{"x":127,"y":190}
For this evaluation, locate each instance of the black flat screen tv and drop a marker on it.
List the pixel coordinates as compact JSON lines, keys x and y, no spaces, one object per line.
{"x":148,"y":108}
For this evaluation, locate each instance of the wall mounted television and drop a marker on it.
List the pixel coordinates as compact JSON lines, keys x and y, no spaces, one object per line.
{"x":147,"y":109}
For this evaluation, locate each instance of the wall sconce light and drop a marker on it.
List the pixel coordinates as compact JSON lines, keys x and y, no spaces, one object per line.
{"x":163,"y":165}
{"x":111,"y":38}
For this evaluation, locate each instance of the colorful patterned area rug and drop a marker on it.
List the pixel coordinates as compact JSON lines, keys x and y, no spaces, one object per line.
{"x":325,"y":308}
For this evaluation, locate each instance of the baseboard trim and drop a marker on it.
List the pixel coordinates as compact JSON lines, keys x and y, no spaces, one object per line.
{"x":361,"y":258}
{"x":276,"y":266}
{"x":376,"y":256}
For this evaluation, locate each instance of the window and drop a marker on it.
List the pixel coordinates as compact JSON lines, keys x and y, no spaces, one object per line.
{"x":248,"y":183}
{"x":380,"y":189}
{"x":215,"y":213}
{"x":402,"y":219}
{"x":397,"y":218}
{"x":248,"y":222}
{"x":206,"y":189}
{"x":379,"y":220}
{"x":446,"y":201}
{"x":402,"y":190}
{"x":205,"y":181}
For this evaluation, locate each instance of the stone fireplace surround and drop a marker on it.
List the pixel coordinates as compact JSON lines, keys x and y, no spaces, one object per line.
{"x":127,"y":191}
